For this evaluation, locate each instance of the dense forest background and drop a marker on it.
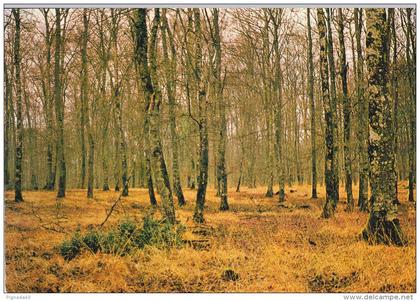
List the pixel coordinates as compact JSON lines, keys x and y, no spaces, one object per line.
{"x":79,"y":104}
{"x":207,"y":149}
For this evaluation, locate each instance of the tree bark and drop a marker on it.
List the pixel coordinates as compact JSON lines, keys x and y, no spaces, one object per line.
{"x":59,"y":107}
{"x":394,"y":87}
{"x":276,"y":16}
{"x":312,"y":106}
{"x":48,"y":104}
{"x":170,"y":68}
{"x":153,"y":101}
{"x":328,"y":97}
{"x":220,"y":101}
{"x":202,"y":121}
{"x":383,"y":225}
{"x":7,"y":118}
{"x":88,"y":119}
{"x":19,"y":121}
{"x":346,"y":112}
{"x":363,"y":130}
{"x":31,"y":138}
{"x":411,"y":61}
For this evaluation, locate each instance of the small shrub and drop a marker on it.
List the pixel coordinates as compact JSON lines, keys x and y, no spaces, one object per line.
{"x":124,"y":238}
{"x":159,"y":234}
{"x":127,"y":228}
{"x":92,"y":240}
{"x":69,"y":249}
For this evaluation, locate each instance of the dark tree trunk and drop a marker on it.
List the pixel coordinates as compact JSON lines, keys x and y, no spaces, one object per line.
{"x":19,"y":121}
{"x":202,"y":121}
{"x":220,"y":101}
{"x":7,"y":117}
{"x":152,"y":95}
{"x":363,"y":127}
{"x":86,"y":110}
{"x":48,"y":104}
{"x":328,"y":96}
{"x":31,"y":138}
{"x":171,"y":93}
{"x":411,"y":63}
{"x":383,"y":225}
{"x":312,"y":106}
{"x":276,"y":17}
{"x":394,"y":86}
{"x":59,"y":107}
{"x":346,"y":112}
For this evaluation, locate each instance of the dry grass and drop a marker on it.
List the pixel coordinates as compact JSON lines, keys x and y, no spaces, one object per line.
{"x":272,"y":249}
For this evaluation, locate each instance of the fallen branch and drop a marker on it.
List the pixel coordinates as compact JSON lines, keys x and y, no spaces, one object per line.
{"x":45,"y":225}
{"x":115,"y":204}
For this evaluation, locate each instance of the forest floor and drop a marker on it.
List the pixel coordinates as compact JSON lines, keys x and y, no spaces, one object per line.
{"x":270,"y":248}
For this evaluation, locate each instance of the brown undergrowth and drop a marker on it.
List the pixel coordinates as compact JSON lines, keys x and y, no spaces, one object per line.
{"x":256,"y":246}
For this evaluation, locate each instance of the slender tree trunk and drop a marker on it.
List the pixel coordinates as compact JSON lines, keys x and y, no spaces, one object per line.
{"x":220,"y":101}
{"x":59,"y":107}
{"x":346,"y":112}
{"x":202,"y":121}
{"x":328,"y":97}
{"x":7,"y":117}
{"x":105,"y":130}
{"x":411,"y":61}
{"x":88,"y":120}
{"x":394,"y":88}
{"x":82,"y":138}
{"x":48,"y":104}
{"x":383,"y":225}
{"x":19,"y":124}
{"x":170,"y":65}
{"x":83,"y":104}
{"x":153,"y":101}
{"x":363,"y":127}
{"x":276,"y":16}
{"x":149,"y":177}
{"x":121,"y":139}
{"x":312,"y":106}
{"x":116,"y":158}
{"x":31,"y":137}
{"x":238,"y":186}
{"x":267,"y":107}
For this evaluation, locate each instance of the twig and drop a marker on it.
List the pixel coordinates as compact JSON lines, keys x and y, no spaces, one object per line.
{"x":43,"y":225}
{"x":115,"y":203}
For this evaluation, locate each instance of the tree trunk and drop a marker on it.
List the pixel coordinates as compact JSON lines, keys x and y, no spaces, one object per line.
{"x":48,"y":105}
{"x":363,"y":130}
{"x":267,"y":106}
{"x":328,"y":97}
{"x":152,"y":96}
{"x":346,"y":112}
{"x":276,"y":16}
{"x":59,"y":107}
{"x":411,"y":62}
{"x":202,"y":121}
{"x":147,"y":153}
{"x":383,"y":225}
{"x":7,"y":118}
{"x":394,"y":87}
{"x":121,"y":139}
{"x":19,"y":123}
{"x":312,"y":106}
{"x":170,"y":68}
{"x":86,"y":111}
{"x":221,"y":147}
{"x":31,"y":137}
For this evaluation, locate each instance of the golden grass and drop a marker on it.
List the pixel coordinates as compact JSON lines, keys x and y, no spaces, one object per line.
{"x":272,"y":249}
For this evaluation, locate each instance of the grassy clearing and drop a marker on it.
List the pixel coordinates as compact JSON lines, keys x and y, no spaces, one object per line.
{"x":267,"y":248}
